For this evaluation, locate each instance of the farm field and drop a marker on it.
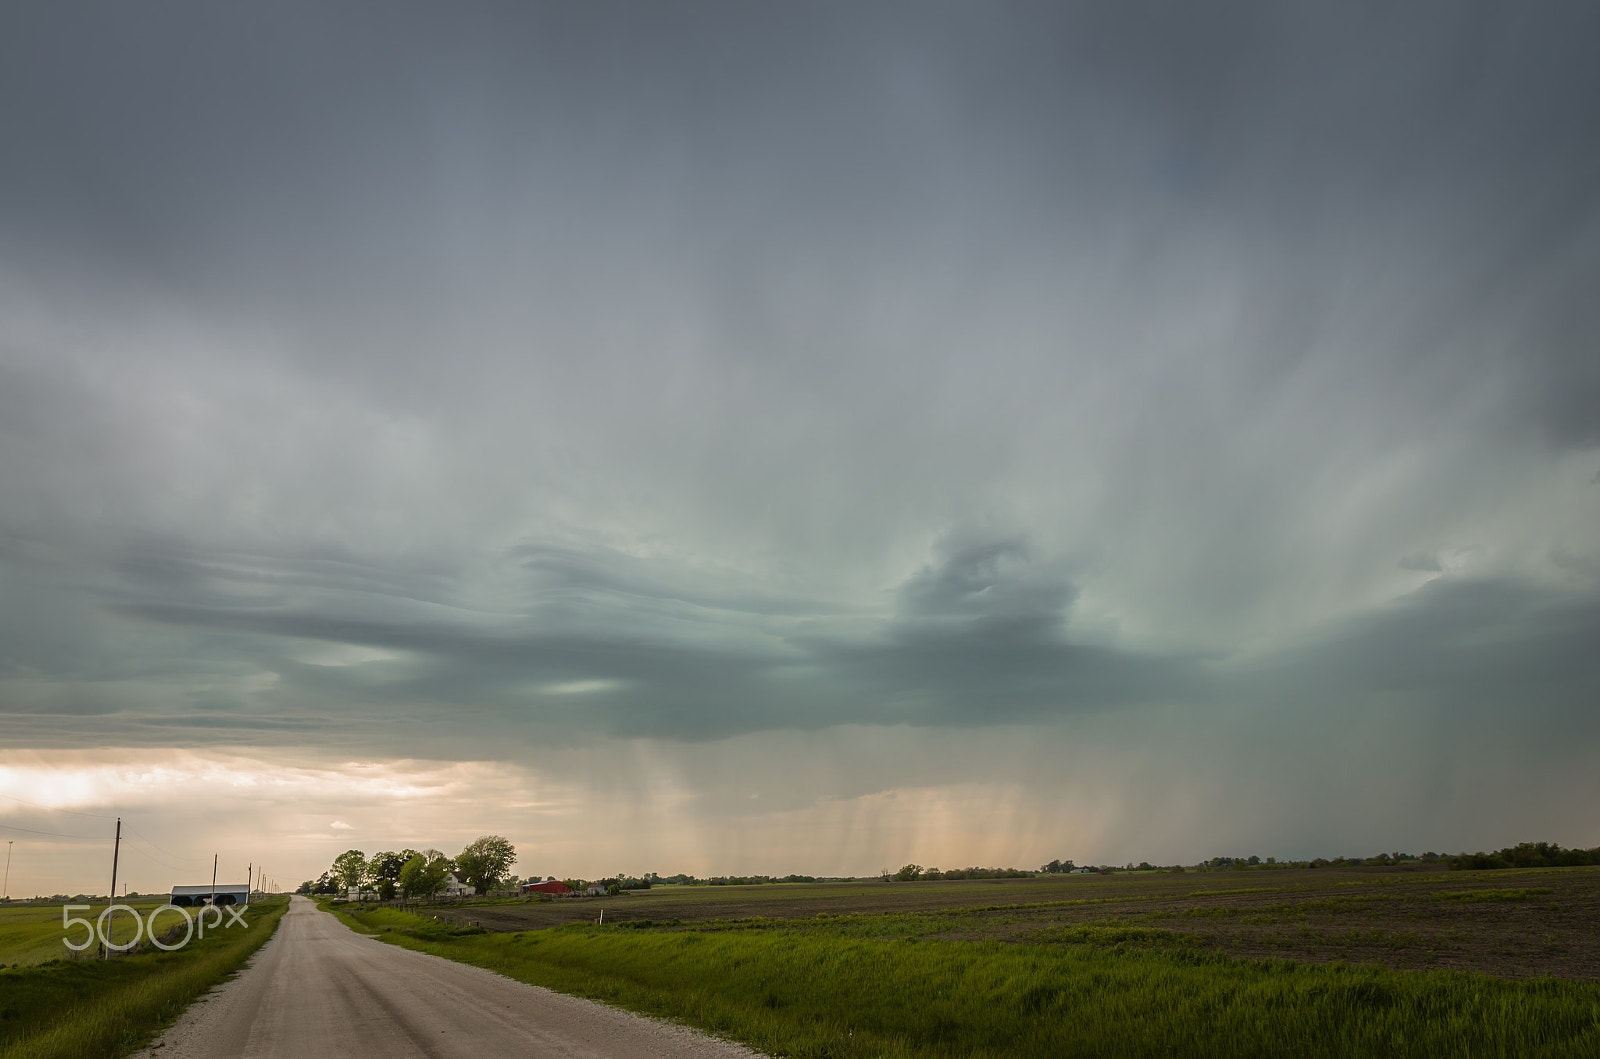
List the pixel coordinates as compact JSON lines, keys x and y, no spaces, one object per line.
{"x":1072,"y":975}
{"x":1509,"y":923}
{"x":32,"y":933}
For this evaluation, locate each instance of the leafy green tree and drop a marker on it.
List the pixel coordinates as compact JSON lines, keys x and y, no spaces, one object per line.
{"x":424,"y":874}
{"x":411,"y":875}
{"x":350,"y":867}
{"x":909,"y":873}
{"x":386,"y":866}
{"x":324,"y":884}
{"x":486,"y":861}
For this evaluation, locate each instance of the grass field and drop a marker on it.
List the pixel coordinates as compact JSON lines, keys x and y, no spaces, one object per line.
{"x":90,"y":1009}
{"x":835,"y":987}
{"x":32,"y":933}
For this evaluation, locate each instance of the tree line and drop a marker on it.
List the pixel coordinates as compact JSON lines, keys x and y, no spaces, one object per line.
{"x":484,"y":865}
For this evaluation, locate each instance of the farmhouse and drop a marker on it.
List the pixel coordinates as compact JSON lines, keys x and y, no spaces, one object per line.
{"x":455,"y":885}
{"x":227,"y":894}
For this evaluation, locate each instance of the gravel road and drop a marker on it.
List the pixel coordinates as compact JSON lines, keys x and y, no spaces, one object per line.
{"x":320,"y":989}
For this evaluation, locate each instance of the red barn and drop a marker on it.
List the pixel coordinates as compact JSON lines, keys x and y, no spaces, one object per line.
{"x":554,"y":886}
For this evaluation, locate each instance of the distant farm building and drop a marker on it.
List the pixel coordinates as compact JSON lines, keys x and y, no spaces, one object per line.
{"x":226,"y":894}
{"x":554,"y":886}
{"x":455,"y":885}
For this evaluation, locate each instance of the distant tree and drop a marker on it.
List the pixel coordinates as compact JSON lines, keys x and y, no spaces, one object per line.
{"x":1526,"y":855}
{"x":411,"y":876}
{"x":909,"y":873}
{"x":424,"y":874}
{"x":350,"y":867}
{"x":486,"y":861}
{"x":387,"y":865}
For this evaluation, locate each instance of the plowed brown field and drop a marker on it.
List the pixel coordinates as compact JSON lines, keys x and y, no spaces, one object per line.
{"x":1511,"y":923}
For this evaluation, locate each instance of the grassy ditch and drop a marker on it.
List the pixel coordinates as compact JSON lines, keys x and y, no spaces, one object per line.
{"x":90,"y":1009}
{"x":818,"y":992}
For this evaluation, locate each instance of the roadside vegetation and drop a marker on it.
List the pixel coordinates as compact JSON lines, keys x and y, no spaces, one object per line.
{"x":92,"y":1009}
{"x":837,"y":987}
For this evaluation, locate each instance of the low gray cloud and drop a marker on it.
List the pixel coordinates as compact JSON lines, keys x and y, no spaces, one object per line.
{"x":982,"y":636}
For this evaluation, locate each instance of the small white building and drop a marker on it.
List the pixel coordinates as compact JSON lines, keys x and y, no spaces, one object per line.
{"x":226,"y":894}
{"x":456,"y":886}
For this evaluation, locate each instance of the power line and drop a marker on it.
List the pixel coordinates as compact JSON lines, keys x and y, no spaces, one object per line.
{"x":152,"y":857}
{"x":154,"y":844}
{"x":55,"y":834}
{"x":53,"y":809}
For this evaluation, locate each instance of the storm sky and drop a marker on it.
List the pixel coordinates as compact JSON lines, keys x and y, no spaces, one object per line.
{"x":809,"y":438}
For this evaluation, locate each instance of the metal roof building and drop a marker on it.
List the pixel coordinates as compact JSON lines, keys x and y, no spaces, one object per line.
{"x":227,"y":894}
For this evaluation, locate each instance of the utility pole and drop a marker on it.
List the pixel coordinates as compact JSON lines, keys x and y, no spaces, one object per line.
{"x":6,"y":893}
{"x":247,"y":878}
{"x":214,"y":878}
{"x":115,"y":850}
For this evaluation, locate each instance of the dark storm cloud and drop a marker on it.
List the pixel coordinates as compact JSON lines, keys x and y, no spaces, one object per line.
{"x":980,"y":638}
{"x":1460,"y":646}
{"x":565,"y":571}
{"x":613,"y":366}
{"x":977,"y":639}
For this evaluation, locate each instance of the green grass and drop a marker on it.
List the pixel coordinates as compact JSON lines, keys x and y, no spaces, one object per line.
{"x":1490,"y":896}
{"x":813,"y":991}
{"x":384,"y":920}
{"x":90,"y":1009}
{"x":32,"y":933}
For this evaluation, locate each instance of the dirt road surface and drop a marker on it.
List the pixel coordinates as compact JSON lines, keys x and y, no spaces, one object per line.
{"x":319,"y":989}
